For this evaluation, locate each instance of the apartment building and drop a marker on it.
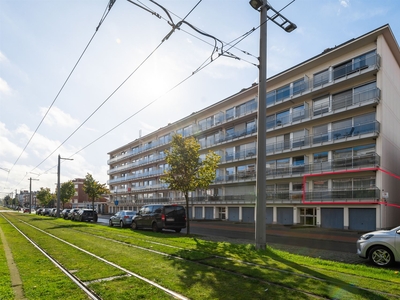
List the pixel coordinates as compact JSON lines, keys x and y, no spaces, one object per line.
{"x":333,"y":145}
{"x":81,"y":199}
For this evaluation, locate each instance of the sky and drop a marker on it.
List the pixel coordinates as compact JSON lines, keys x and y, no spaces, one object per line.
{"x":79,"y":80}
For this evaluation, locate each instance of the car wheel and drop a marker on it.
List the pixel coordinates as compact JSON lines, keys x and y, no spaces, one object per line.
{"x":155,"y":227}
{"x":381,"y":256}
{"x":178,"y":230}
{"x":134,"y":226}
{"x":121,"y":224}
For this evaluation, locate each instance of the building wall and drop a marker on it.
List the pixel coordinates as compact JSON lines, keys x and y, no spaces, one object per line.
{"x":337,"y":143}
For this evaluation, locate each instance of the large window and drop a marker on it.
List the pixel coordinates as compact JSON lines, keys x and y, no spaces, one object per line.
{"x":321,"y":105}
{"x":321,"y":78}
{"x":365,"y":92}
{"x":342,"y":129}
{"x":299,"y":86}
{"x":298,"y":113}
{"x":282,"y":118}
{"x":320,"y":134}
{"x":230,"y":113}
{"x":283,"y":93}
{"x":342,"y":99}
{"x":364,"y":123}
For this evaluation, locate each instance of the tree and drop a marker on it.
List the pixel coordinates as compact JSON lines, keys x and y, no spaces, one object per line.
{"x":67,"y":191}
{"x":7,"y":200}
{"x":93,"y":188}
{"x":186,"y":171}
{"x":44,"y":196}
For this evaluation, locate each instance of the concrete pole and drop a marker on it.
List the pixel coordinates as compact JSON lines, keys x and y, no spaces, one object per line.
{"x":58,"y":188}
{"x":260,"y":229}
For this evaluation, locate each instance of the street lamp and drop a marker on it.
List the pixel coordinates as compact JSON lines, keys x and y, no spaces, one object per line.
{"x":58,"y":184}
{"x":285,"y":24}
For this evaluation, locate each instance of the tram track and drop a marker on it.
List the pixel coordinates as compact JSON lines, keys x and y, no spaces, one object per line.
{"x":205,"y":262}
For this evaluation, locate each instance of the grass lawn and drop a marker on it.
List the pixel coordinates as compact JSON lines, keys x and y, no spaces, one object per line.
{"x":190,"y":266}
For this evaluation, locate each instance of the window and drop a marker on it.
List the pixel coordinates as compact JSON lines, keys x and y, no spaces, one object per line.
{"x":240,"y":110}
{"x":202,"y":142}
{"x":298,"y":113}
{"x":229,"y":153}
{"x":230,"y":113}
{"x":299,"y":138}
{"x":219,"y":118}
{"x":321,"y":78}
{"x":202,"y":124}
{"x":210,"y":140}
{"x":250,"y":127}
{"x":210,"y":122}
{"x":320,"y":134}
{"x":365,"y":92}
{"x":298,"y":164}
{"x":230,"y":173}
{"x":270,"y":121}
{"x":282,"y":166}
{"x":342,"y":99}
{"x":308,"y":216}
{"x":342,"y":70}
{"x":230,"y":132}
{"x":342,"y":129}
{"x":321,"y":105}
{"x":271,"y":98}
{"x":299,"y":86}
{"x":282,"y":118}
{"x":187,"y":131}
{"x":271,"y":167}
{"x":283,"y":93}
{"x":251,"y":105}
{"x":364,"y":123}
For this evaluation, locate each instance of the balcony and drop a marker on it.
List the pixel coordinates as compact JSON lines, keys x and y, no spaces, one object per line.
{"x":354,"y":101}
{"x":343,"y":134}
{"x":355,"y":195}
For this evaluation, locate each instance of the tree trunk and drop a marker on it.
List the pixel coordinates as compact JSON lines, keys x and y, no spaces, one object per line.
{"x":187,"y":214}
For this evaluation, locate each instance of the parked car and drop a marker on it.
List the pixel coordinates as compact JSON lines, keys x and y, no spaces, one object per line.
{"x":381,"y":247}
{"x":39,"y":211}
{"x":46,"y":212}
{"x":72,"y":213}
{"x":122,"y":218}
{"x":53,"y":212}
{"x":64,"y":213}
{"x":86,"y":215}
{"x":26,"y":210}
{"x":159,"y":217}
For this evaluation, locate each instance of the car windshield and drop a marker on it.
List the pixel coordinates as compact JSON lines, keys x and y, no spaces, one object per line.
{"x":130,"y":213}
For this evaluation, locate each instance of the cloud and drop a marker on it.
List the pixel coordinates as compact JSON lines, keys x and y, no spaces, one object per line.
{"x":3,"y":57}
{"x":57,"y":117}
{"x":8,"y":149}
{"x":344,"y":3}
{"x":4,"y":87}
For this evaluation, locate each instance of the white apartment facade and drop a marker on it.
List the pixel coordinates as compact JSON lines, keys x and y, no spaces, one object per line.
{"x":333,"y":145}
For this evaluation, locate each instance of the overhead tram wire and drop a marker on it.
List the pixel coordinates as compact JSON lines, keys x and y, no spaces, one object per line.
{"x":105,"y":14}
{"x":123,"y":82}
{"x":155,"y":100}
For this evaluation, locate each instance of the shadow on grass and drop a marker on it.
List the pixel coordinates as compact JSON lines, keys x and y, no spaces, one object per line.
{"x":277,"y":270}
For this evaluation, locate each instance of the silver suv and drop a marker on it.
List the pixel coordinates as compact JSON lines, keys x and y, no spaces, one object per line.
{"x":381,"y":247}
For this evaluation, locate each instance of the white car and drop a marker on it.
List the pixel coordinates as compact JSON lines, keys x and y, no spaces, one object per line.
{"x":381,"y":247}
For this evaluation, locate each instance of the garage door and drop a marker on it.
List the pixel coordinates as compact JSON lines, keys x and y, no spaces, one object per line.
{"x":332,"y":218}
{"x":285,"y":215}
{"x":198,"y":213}
{"x":363,"y":219}
{"x":233,"y":214}
{"x":248,"y":214}
{"x":270,"y":215}
{"x":209,"y":213}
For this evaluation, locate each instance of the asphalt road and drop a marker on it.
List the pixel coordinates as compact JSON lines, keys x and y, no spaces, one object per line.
{"x":311,"y":237}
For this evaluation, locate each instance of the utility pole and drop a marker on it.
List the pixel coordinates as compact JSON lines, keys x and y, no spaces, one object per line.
{"x":261,"y":181}
{"x":30,"y":193}
{"x":58,"y":185}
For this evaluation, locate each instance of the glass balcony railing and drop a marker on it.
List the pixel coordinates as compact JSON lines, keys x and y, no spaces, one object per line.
{"x":329,"y":136}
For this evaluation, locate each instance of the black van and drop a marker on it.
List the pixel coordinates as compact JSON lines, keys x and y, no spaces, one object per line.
{"x":159,"y":217}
